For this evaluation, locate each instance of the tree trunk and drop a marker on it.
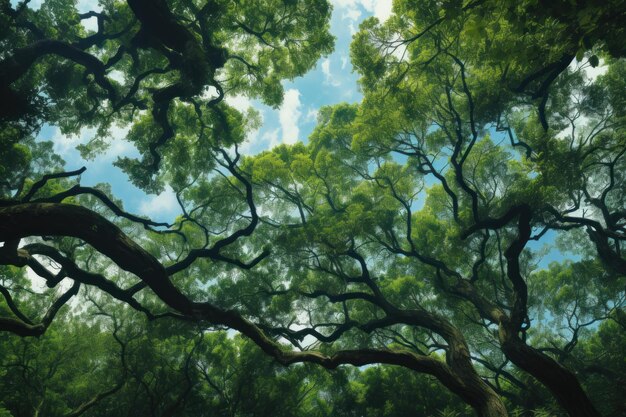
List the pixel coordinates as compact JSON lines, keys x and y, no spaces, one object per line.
{"x":561,"y":382}
{"x":492,"y":407}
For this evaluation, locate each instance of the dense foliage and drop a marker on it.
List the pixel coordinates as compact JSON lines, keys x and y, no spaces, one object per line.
{"x":402,"y":238}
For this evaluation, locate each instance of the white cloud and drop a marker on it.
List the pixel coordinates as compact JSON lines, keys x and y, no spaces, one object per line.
{"x":241,"y":103}
{"x":351,"y":13}
{"x":382,"y":9}
{"x":118,"y":145}
{"x":344,"y":62}
{"x":350,"y":8}
{"x":289,"y":115}
{"x":328,"y":76}
{"x":64,"y":145}
{"x":117,"y":148}
{"x":160,"y":206}
{"x":326,"y":67}
{"x":311,"y":115}
{"x":271,"y":137}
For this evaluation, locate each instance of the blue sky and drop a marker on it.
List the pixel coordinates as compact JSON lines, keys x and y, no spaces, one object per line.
{"x":331,"y":81}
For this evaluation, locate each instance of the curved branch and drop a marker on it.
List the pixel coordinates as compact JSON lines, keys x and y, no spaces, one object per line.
{"x":85,"y":277}
{"x":56,"y":219}
{"x":13,"y":307}
{"x":16,"y":65}
{"x":43,"y":181}
{"x":24,"y":329}
{"x":79,"y":190}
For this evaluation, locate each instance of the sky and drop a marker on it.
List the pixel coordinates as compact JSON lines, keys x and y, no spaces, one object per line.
{"x":331,"y":81}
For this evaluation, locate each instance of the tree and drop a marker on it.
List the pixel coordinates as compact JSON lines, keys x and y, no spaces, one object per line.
{"x":113,"y":364}
{"x":503,"y":39}
{"x":398,"y":235}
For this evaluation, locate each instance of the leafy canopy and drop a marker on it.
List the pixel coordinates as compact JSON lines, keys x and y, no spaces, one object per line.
{"x":406,"y":231}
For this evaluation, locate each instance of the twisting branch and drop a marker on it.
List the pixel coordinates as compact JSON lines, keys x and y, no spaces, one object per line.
{"x":214,"y":251}
{"x":24,"y":329}
{"x":80,"y":190}
{"x":17,"y":64}
{"x":88,"y":278}
{"x":55,"y":219}
{"x":43,"y":181}
{"x":13,"y":307}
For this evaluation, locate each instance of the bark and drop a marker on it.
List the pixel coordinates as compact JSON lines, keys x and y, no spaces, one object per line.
{"x":13,"y":67}
{"x":561,"y":382}
{"x":25,"y":328}
{"x":609,"y":257}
